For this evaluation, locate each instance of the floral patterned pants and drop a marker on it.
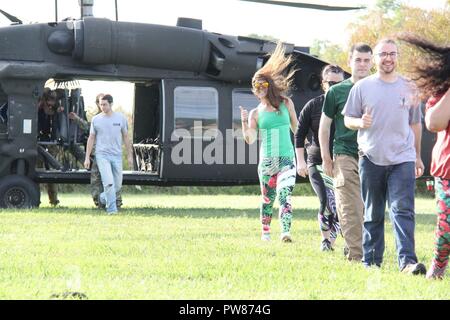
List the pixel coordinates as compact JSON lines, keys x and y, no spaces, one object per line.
{"x":442,"y":243}
{"x":277,"y":177}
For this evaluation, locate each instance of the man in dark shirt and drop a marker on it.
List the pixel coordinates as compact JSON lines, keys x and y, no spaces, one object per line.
{"x":308,"y":122}
{"x":47,"y":117}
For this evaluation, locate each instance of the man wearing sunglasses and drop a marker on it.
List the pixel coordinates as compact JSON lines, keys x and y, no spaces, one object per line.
{"x":343,"y":167}
{"x":384,"y":108}
{"x":308,"y":128}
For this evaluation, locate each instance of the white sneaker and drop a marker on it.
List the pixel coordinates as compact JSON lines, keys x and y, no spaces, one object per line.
{"x":286,"y":237}
{"x":265,"y":237}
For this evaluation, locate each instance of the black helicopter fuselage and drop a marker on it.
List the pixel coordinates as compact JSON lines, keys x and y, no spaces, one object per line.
{"x":189,"y":84}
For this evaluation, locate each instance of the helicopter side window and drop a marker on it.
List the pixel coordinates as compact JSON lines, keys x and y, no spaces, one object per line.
{"x":246,"y":99}
{"x":196,"y":112}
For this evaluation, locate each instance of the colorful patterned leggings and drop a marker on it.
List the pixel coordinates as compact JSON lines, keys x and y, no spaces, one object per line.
{"x":277,"y":176}
{"x":323,"y":187}
{"x":442,"y":244}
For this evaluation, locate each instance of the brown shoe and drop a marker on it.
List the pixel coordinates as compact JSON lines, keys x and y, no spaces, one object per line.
{"x":286,"y":237}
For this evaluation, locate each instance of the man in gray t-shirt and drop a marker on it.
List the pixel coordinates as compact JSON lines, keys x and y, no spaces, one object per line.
{"x":108,"y":130}
{"x":390,"y":139}
{"x":385,"y":110}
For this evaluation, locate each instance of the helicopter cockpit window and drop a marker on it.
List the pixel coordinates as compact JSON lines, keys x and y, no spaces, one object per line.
{"x":246,"y":99}
{"x":196,"y":110}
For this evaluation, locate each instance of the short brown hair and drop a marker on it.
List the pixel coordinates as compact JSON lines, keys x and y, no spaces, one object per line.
{"x":360,"y":47}
{"x":108,"y":98}
{"x":331,"y":68}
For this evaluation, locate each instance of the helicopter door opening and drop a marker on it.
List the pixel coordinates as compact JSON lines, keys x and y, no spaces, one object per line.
{"x":147,"y":127}
{"x":65,"y":112}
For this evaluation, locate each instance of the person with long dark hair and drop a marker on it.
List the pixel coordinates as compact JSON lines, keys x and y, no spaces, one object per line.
{"x":433,"y":80}
{"x":274,"y":118}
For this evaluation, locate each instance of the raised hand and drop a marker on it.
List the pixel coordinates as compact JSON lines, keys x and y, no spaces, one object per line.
{"x":244,"y":114}
{"x":366,"y":120}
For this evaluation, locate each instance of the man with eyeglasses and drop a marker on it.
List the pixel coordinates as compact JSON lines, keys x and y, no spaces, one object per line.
{"x":308,"y":128}
{"x":384,"y":108}
{"x":343,"y":167}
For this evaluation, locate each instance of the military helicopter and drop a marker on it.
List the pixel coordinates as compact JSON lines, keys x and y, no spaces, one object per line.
{"x":186,"y":119}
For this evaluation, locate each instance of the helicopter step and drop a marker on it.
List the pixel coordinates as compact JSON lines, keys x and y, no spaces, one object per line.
{"x":83,"y":177}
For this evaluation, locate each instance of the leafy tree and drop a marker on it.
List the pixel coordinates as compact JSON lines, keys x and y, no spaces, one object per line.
{"x":329,"y":52}
{"x":388,"y":18}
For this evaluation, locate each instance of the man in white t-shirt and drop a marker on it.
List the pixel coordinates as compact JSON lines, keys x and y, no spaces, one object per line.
{"x":108,"y":130}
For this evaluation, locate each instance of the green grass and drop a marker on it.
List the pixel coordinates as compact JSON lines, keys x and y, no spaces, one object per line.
{"x":193,"y":247}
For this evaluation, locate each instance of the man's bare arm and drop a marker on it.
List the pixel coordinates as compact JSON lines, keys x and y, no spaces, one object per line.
{"x":324,"y":141}
{"x":89,"y":147}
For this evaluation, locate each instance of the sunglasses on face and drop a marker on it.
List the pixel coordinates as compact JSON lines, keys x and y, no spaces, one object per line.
{"x":259,"y":85}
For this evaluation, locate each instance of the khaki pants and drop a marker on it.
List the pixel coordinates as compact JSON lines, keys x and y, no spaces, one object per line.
{"x":349,"y":205}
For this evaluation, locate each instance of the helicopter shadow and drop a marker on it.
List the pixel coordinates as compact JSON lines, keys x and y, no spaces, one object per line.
{"x":213,"y":213}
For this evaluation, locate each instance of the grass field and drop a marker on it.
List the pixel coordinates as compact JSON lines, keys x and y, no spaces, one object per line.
{"x":193,"y":247}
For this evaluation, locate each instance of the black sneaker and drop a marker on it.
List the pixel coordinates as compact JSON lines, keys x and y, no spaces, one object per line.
{"x":415,"y":269}
{"x":326,"y":245}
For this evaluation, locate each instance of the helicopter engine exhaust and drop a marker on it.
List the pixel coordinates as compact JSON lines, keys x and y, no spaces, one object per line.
{"x":101,"y":41}
{"x":96,"y":41}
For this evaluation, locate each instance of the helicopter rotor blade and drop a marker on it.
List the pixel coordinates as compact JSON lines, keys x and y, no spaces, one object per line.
{"x":305,"y":5}
{"x":11,"y":17}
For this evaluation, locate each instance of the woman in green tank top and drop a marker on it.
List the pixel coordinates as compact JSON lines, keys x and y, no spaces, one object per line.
{"x":274,"y":119}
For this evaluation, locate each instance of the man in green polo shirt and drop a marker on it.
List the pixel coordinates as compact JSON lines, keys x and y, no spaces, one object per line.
{"x":344,"y":164}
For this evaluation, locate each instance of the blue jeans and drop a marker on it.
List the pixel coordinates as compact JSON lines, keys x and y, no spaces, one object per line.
{"x":110,"y":168}
{"x":396,"y":184}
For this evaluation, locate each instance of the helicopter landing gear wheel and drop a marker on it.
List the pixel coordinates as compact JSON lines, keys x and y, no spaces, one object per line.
{"x":19,"y":192}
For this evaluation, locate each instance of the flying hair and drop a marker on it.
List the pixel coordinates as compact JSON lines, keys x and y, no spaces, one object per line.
{"x":277,"y":73}
{"x":432,"y":70}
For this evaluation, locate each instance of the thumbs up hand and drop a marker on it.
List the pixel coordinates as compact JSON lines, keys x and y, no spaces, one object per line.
{"x":244,"y":114}
{"x":366,"y":120}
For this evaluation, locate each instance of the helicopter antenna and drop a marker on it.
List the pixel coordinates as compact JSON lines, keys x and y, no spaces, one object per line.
{"x":11,"y":17}
{"x":86,"y":8}
{"x":56,"y":10}
{"x":117,"y":11}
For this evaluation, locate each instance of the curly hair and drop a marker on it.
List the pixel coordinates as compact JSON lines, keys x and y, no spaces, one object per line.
{"x":273,"y":72}
{"x":432,"y":71}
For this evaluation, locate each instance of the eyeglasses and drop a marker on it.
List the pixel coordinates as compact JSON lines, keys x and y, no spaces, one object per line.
{"x":384,"y":55}
{"x":258,"y":85}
